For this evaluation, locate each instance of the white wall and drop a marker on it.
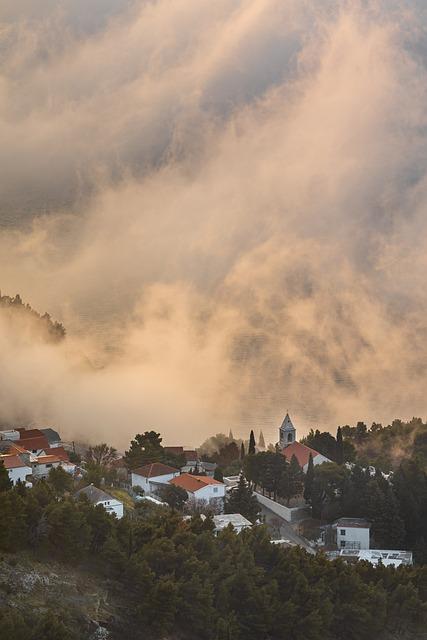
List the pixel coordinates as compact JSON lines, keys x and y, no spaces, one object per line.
{"x":354,"y":537}
{"x":291,"y":515}
{"x":42,"y":470}
{"x":113,"y":506}
{"x":319,"y":459}
{"x":19,"y":473}
{"x":210,"y":492}
{"x":144,"y":483}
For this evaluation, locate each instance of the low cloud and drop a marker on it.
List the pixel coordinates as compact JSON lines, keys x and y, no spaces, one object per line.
{"x":225,"y":205}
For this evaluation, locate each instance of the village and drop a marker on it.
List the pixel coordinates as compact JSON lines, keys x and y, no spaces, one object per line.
{"x":194,"y":484}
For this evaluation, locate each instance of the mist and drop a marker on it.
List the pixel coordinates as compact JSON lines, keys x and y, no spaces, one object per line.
{"x":224,"y":203}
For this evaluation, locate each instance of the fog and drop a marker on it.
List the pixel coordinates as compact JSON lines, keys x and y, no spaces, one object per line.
{"x":224,"y":203}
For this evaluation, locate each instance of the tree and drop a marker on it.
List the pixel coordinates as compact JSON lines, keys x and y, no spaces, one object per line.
{"x":309,"y":480}
{"x":261,"y":441}
{"x":101,"y":454}
{"x":60,"y":480}
{"x":145,"y":448}
{"x":230,"y":435}
{"x":68,"y":531}
{"x":227,"y":454}
{"x":251,"y":449}
{"x":339,"y":447}
{"x":218,"y":475}
{"x":242,"y":451}
{"x":5,"y":482}
{"x":243,"y":501}
{"x":328,"y":484}
{"x":176,"y":497}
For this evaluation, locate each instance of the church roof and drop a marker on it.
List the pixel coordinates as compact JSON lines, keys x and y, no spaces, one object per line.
{"x":287,"y":424}
{"x":300,"y":451}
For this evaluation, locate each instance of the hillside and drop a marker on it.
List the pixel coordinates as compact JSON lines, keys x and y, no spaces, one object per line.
{"x":27,"y":321}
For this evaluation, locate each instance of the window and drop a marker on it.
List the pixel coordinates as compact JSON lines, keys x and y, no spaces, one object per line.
{"x":289,"y":437}
{"x":48,"y":465}
{"x":215,"y":490}
{"x":342,"y":532}
{"x":342,"y":544}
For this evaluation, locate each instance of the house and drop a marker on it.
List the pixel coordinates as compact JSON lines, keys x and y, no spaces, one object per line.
{"x":9,"y":434}
{"x":152,"y":475}
{"x":201,"y":488}
{"x":17,"y":469}
{"x":52,"y":436}
{"x":98,"y":496}
{"x":189,"y":455}
{"x":374,"y":556}
{"x":41,"y":465}
{"x":33,"y":440}
{"x":237,"y":521}
{"x":351,"y":533}
{"x":289,"y":446}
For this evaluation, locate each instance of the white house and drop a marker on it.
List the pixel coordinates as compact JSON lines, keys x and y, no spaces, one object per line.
{"x":9,"y":434}
{"x":238,"y":522}
{"x":43,"y":464}
{"x":388,"y":558}
{"x":150,"y":476}
{"x":352,"y":533}
{"x":98,"y":496}
{"x":16,"y":468}
{"x":291,"y":447}
{"x":201,"y":488}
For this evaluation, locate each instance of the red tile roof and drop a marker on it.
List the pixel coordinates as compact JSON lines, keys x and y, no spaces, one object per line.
{"x":48,"y":459}
{"x":300,"y":451}
{"x":190,"y":455}
{"x":155,"y":469}
{"x":192,"y":483}
{"x":12,"y":462}
{"x":33,"y":444}
{"x":175,"y":451}
{"x":30,"y":433}
{"x":59,"y":452}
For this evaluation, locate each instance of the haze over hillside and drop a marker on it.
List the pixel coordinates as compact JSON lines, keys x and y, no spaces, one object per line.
{"x":225,"y":205}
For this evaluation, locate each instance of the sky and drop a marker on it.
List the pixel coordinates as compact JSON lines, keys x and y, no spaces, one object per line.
{"x":224,"y":203}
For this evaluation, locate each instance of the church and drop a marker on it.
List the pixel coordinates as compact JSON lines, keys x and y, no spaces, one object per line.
{"x":289,"y":446}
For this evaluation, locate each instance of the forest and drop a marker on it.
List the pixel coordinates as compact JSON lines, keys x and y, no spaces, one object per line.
{"x":15,"y":310}
{"x":181,"y":581}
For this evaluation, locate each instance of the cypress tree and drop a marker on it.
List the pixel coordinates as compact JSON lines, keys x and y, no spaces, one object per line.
{"x":242,"y":451}
{"x":309,"y":480}
{"x":261,"y":441}
{"x":5,"y":482}
{"x":251,"y":449}
{"x":340,"y":447}
{"x":230,"y":435}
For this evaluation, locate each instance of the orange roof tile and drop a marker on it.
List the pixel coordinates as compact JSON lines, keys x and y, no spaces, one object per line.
{"x":59,"y":452}
{"x":48,"y":459}
{"x":33,"y":444}
{"x":154,"y":469}
{"x":192,"y":483}
{"x":300,"y":451}
{"x":12,"y":461}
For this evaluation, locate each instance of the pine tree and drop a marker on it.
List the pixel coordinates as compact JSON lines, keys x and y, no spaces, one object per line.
{"x":251,"y":449}
{"x":243,"y":501}
{"x":309,"y":480}
{"x":5,"y":482}
{"x":242,"y":451}
{"x":340,"y":447}
{"x":261,"y":441}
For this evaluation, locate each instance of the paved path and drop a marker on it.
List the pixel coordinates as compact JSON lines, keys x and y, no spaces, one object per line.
{"x":280,"y":528}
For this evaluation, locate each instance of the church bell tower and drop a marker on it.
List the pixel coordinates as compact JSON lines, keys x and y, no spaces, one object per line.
{"x":287,"y":433}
